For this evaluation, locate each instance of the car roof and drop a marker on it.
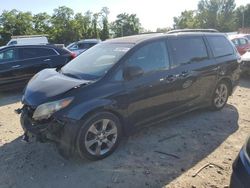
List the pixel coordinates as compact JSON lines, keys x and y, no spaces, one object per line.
{"x":33,"y":45}
{"x":135,"y":39}
{"x":90,"y":41}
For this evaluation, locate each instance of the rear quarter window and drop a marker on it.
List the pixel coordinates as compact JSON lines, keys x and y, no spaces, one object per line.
{"x":220,"y":46}
{"x":26,"y":53}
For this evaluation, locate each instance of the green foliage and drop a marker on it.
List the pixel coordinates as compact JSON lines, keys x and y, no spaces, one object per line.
{"x":15,"y":23}
{"x":64,"y":26}
{"x":126,"y":25}
{"x":187,"y":19}
{"x":105,"y":25}
{"x":243,"y":12}
{"x":41,"y":23}
{"x":217,"y":14}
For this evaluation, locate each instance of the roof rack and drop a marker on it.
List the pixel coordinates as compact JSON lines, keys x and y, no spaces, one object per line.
{"x":28,"y":36}
{"x":193,"y":30}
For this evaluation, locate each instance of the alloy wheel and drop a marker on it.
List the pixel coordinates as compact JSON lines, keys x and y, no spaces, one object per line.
{"x":101,"y":137}
{"x":221,"y":95}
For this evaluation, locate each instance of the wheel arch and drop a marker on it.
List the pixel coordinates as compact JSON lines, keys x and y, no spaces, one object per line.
{"x":229,"y":83}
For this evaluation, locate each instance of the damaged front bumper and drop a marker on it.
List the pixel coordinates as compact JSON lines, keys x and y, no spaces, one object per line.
{"x":49,"y":129}
{"x":61,"y":131}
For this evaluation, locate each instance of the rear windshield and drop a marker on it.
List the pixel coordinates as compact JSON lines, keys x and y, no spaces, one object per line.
{"x":96,"y":61}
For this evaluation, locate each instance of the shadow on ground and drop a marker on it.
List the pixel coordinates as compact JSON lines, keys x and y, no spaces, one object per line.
{"x":10,"y":97}
{"x":245,"y":81}
{"x":139,"y":161}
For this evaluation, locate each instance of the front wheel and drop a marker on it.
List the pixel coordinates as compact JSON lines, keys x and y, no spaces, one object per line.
{"x":220,"y":96}
{"x":99,"y":136}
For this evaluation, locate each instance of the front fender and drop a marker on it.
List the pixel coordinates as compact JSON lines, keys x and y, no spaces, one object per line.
{"x":80,"y":110}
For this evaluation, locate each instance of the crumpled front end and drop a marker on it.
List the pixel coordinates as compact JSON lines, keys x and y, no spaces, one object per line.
{"x":60,"y":131}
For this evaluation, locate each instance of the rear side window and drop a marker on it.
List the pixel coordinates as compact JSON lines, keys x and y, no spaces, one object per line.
{"x":151,"y":57}
{"x":26,"y":53}
{"x":220,"y":46}
{"x":7,"y":55}
{"x":187,"y":50}
{"x":85,"y":45}
{"x":46,"y":52}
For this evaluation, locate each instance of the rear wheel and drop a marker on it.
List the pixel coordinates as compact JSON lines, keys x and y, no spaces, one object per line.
{"x":220,"y":96}
{"x":99,"y":136}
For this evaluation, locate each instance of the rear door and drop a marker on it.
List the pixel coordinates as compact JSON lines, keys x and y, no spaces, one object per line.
{"x":32,"y":60}
{"x":192,"y":70}
{"x":225,"y":58}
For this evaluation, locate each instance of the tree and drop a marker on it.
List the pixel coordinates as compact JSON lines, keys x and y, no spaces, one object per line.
{"x":187,"y":19}
{"x":242,"y":14}
{"x":126,"y":25}
{"x":217,"y":14}
{"x":15,"y":23}
{"x":62,"y":25}
{"x":96,"y":30}
{"x":105,"y":25}
{"x":41,"y":23}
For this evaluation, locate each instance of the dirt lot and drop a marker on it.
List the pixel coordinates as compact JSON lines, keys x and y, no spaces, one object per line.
{"x":194,"y":140}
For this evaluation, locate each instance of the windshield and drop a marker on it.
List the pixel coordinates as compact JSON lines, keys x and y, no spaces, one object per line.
{"x":95,"y":62}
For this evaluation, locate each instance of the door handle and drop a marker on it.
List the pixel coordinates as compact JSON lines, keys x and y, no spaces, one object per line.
{"x":16,"y":66}
{"x":47,"y":60}
{"x":171,"y":78}
{"x":184,"y":74}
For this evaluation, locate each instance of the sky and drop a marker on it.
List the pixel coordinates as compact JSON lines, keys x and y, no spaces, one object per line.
{"x":153,"y":14}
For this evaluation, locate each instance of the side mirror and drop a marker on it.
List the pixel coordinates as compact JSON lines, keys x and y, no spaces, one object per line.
{"x":132,"y":72}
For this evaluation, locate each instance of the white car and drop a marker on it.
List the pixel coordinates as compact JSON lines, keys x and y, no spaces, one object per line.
{"x":245,"y":65}
{"x":28,"y":40}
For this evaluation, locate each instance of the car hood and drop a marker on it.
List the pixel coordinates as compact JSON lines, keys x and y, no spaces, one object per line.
{"x":48,"y":84}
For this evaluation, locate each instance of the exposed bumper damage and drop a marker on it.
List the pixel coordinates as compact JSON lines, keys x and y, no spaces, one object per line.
{"x":61,"y":132}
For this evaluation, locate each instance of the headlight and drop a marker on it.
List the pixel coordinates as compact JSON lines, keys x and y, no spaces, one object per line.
{"x":44,"y":111}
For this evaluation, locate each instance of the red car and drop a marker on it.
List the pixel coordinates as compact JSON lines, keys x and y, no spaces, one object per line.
{"x":241,"y":42}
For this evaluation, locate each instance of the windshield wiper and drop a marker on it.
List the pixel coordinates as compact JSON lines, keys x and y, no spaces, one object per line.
{"x":71,"y":75}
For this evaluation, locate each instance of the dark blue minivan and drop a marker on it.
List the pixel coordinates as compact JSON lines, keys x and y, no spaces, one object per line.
{"x":121,"y":84}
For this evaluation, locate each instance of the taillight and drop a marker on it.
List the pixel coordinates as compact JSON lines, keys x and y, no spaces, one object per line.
{"x":73,"y":55}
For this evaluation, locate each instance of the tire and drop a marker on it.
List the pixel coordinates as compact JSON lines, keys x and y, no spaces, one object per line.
{"x":99,"y":136}
{"x":220,"y":96}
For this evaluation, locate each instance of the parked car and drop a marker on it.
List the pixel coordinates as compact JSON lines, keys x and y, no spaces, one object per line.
{"x":245,"y":65}
{"x":28,"y":40}
{"x":19,"y":63}
{"x":121,"y":84}
{"x":241,"y":168}
{"x":245,"y":35}
{"x":242,"y":43}
{"x":82,"y":45}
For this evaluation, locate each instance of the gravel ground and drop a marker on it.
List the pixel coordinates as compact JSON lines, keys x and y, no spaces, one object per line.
{"x":192,"y":141}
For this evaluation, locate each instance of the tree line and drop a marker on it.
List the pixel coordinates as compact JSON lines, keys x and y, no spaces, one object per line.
{"x":218,"y":14}
{"x":64,"y":26}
